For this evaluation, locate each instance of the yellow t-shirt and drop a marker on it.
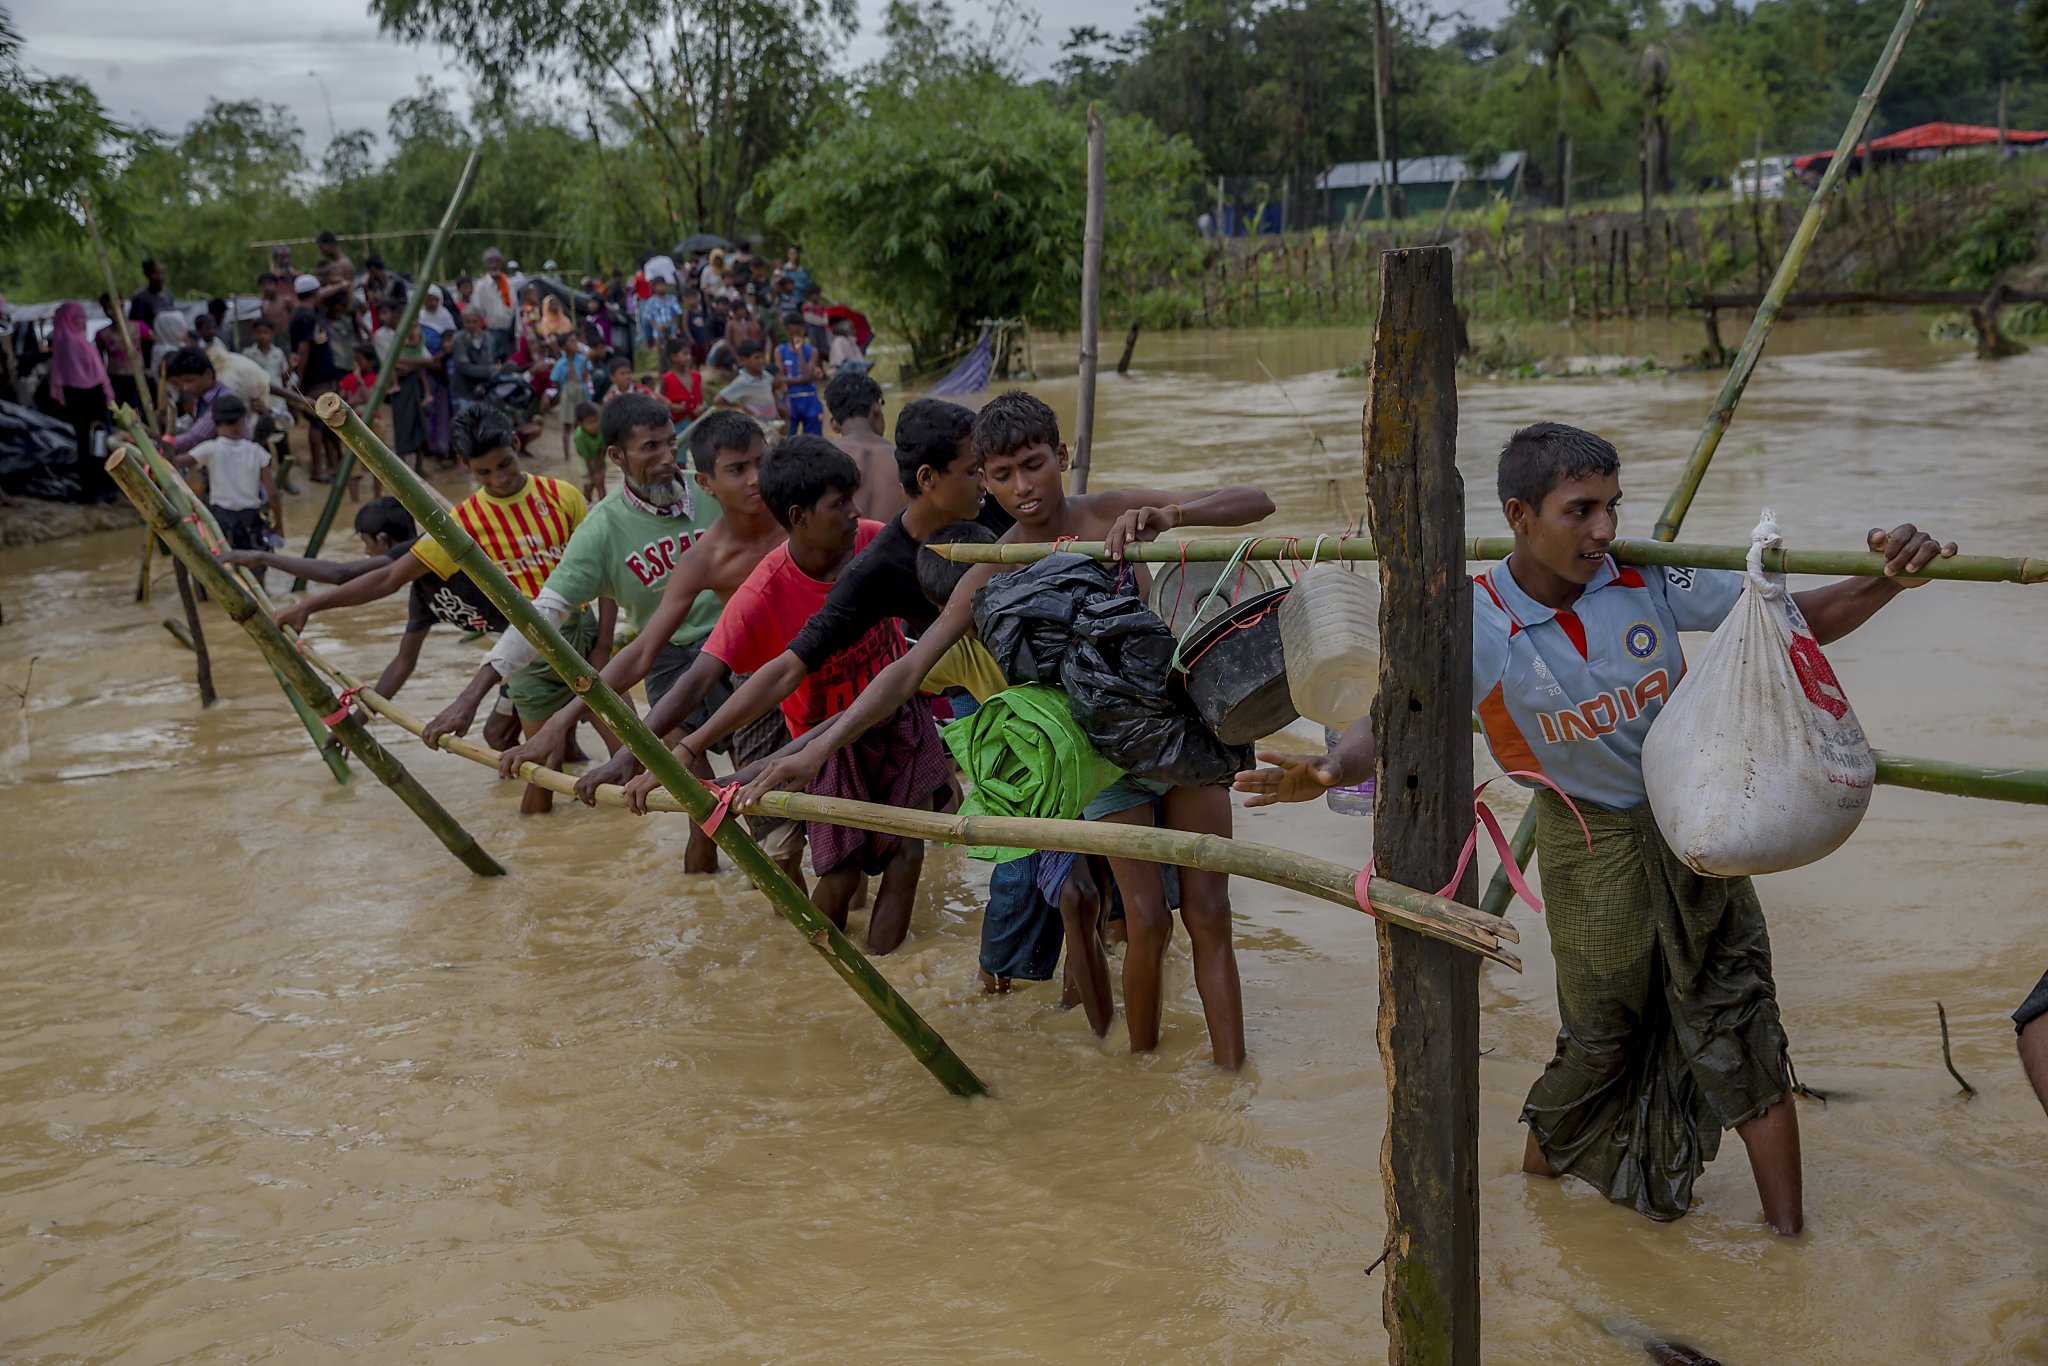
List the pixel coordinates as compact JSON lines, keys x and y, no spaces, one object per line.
{"x":967,"y":664}
{"x":524,"y":535}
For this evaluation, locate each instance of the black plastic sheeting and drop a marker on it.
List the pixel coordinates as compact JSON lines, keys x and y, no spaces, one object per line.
{"x":38,"y":455}
{"x":1067,"y":621}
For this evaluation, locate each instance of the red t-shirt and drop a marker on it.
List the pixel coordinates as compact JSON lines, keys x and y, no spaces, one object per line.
{"x":775,"y":603}
{"x":688,"y":391}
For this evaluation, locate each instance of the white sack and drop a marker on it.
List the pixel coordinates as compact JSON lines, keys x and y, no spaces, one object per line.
{"x":1758,"y":762}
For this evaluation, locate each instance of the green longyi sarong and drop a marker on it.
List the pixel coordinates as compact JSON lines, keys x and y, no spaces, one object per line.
{"x":1669,"y":1028}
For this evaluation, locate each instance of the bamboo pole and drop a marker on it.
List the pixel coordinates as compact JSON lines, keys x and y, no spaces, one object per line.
{"x":179,"y":495}
{"x":1091,"y":298}
{"x":414,"y":302}
{"x":242,"y":608}
{"x":1425,"y":913}
{"x":608,"y":707}
{"x":2025,"y":569}
{"x":1781,"y":284}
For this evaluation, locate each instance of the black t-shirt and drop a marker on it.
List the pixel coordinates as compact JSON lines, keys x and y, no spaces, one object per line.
{"x":879,"y":584}
{"x":309,"y":326}
{"x":454,"y":601}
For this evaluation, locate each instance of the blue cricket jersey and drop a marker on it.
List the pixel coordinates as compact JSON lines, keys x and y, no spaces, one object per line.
{"x":1571,"y":694}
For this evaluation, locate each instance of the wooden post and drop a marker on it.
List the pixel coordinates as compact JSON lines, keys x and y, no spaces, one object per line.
{"x":135,"y":367}
{"x":1123,"y":362}
{"x":1429,"y":993}
{"x":196,"y":635}
{"x":1091,"y":298}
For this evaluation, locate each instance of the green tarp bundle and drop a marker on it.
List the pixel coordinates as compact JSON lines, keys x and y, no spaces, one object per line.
{"x":1026,"y":757}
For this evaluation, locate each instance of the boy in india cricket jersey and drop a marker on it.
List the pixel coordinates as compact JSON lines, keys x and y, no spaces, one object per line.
{"x":1670,"y":1031}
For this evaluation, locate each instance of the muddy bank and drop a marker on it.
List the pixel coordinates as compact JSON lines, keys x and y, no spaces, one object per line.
{"x":29,"y":521}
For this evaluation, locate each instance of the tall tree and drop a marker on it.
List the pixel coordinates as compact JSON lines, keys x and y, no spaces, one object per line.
{"x":1653,"y":73}
{"x":717,"y":89}
{"x":56,"y":142}
{"x":1556,"y":34}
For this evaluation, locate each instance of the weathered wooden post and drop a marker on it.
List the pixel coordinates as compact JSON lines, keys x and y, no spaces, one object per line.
{"x":1429,"y":992}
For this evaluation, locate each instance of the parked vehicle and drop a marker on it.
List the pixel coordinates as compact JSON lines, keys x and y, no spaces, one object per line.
{"x":1748,"y":183}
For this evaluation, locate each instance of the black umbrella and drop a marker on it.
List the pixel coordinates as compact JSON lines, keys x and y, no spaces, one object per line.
{"x":703,"y":241}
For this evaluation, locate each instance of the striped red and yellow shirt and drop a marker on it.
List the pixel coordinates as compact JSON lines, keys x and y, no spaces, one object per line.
{"x":524,"y":535}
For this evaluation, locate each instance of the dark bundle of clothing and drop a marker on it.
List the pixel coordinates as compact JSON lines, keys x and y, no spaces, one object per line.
{"x":1069,"y":621}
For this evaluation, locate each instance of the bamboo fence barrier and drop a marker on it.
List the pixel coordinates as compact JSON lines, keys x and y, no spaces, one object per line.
{"x":243,"y":607}
{"x":164,"y":477}
{"x":924,"y":1042}
{"x":2000,"y":783}
{"x":1310,"y":548}
{"x":1438,"y":917}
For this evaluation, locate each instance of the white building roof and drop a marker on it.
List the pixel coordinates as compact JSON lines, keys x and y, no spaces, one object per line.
{"x":1356,"y":175}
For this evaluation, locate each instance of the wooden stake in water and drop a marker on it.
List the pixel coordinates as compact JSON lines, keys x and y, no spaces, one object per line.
{"x":1429,"y":991}
{"x":607,"y":706}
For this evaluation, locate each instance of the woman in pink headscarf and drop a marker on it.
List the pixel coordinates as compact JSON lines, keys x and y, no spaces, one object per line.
{"x":78,"y":391}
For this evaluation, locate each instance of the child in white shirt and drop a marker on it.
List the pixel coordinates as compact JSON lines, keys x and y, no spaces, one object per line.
{"x":239,"y":485}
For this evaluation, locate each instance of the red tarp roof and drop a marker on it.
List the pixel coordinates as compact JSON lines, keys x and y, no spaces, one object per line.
{"x":1929,"y":137}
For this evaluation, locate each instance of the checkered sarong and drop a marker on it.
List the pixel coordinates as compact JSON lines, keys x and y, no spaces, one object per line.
{"x":900,"y":762}
{"x":1669,"y":1027}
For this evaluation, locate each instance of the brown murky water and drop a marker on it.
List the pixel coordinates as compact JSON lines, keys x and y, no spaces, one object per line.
{"x":278,"y":1080}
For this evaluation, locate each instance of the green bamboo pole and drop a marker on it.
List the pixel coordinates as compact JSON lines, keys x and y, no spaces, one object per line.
{"x":1781,"y":284}
{"x":164,"y":475}
{"x":242,"y":608}
{"x":2029,"y":785}
{"x":1303,"y":549}
{"x":607,"y":706}
{"x":1436,"y":916}
{"x":418,"y":299}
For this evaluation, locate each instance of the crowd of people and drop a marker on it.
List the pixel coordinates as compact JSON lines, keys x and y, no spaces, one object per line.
{"x":780,"y":609}
{"x":721,"y":329}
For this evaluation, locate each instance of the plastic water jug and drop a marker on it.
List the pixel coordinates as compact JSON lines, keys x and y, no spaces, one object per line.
{"x":1354,"y":799}
{"x":1330,"y":640}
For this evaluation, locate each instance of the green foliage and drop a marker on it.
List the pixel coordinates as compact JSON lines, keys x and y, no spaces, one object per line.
{"x":944,"y":193}
{"x":1994,"y":243}
{"x":712,"y":90}
{"x":56,"y":142}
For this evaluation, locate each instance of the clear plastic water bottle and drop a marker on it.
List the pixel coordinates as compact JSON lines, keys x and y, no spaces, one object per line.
{"x":1354,"y":800}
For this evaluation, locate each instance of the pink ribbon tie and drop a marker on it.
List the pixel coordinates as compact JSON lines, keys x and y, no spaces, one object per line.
{"x":1484,"y":816}
{"x":725,"y":792}
{"x":340,"y":714}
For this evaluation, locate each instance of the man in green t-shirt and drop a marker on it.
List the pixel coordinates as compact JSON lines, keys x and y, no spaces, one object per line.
{"x":623,"y":550}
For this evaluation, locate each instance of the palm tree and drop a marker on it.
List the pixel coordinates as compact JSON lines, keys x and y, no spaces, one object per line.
{"x":1553,"y":36}
{"x":1653,"y":71}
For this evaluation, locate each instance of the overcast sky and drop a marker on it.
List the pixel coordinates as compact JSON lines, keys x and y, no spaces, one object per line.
{"x":158,"y":63}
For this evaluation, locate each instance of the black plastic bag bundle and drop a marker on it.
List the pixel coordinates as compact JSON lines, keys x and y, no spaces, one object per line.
{"x":38,"y":454}
{"x":1067,"y":622}
{"x":1025,"y":620}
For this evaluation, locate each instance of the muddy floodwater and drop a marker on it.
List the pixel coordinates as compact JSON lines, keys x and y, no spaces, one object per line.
{"x":279,"y":1080}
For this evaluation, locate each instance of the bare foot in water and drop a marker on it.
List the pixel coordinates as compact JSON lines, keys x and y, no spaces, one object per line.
{"x":992,"y":984}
